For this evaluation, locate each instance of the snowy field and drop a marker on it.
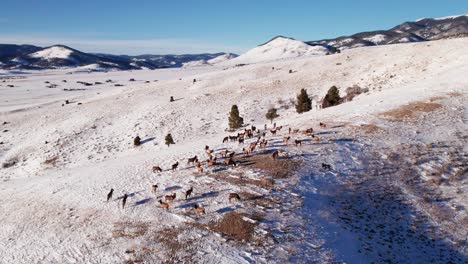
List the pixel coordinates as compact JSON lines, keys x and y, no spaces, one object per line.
{"x":396,"y":191}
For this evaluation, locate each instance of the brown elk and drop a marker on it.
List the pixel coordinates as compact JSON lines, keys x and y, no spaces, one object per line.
{"x":199,"y":209}
{"x":286,"y":139}
{"x":308,"y":131}
{"x":264,"y":143}
{"x":273,"y":132}
{"x":315,"y":138}
{"x":245,"y":151}
{"x":230,"y":162}
{"x":192,"y":160}
{"x":170,"y":198}
{"x":231,"y":155}
{"x":188,"y":193}
{"x":298,"y":142}
{"x":322,"y":125}
{"x":163,"y":205}
{"x":234,"y":196}
{"x":295,"y":131}
{"x":275,"y":154}
{"x":225,"y":140}
{"x":174,"y":166}
{"x":154,"y":188}
{"x":157,"y":168}
{"x":211,"y":161}
{"x":199,"y":169}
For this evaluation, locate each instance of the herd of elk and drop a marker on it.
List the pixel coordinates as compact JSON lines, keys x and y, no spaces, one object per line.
{"x":228,"y":160}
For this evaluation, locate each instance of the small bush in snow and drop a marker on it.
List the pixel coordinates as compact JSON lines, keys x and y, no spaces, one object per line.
{"x":169,"y":140}
{"x":271,"y":114}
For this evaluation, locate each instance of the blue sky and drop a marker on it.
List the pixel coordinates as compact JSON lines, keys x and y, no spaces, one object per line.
{"x":176,"y":26}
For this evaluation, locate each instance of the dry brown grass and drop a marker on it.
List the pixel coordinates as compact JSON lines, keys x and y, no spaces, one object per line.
{"x":234,"y":226}
{"x":51,"y":161}
{"x":369,"y":128}
{"x":455,"y":93}
{"x":410,"y":110}
{"x":129,"y":229}
{"x":276,"y":168}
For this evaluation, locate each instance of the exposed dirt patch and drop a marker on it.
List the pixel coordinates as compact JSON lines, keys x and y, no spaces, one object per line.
{"x":369,"y":128}
{"x":235,"y":226}
{"x":129,"y":229}
{"x":277,"y":168}
{"x":410,"y":110}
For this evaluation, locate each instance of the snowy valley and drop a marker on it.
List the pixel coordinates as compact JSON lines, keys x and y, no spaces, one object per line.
{"x":395,"y":189}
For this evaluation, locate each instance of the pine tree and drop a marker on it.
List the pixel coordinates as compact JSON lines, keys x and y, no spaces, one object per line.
{"x":271,"y":114}
{"x":332,"y":98}
{"x":235,"y":121}
{"x":169,"y":140}
{"x":304,"y":104}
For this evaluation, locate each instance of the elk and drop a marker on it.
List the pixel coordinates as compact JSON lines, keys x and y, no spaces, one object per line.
{"x":225,"y":140}
{"x":308,"y":131}
{"x":241,"y":140}
{"x":170,"y":198}
{"x":211,"y":161}
{"x":234,"y":196}
{"x":286,"y":139}
{"x":109,"y":195}
{"x":230,"y":162}
{"x":154,"y":188}
{"x":298,"y":142}
{"x":275,"y":154}
{"x":199,"y":169}
{"x":199,"y":209}
{"x":326,"y":166}
{"x":163,"y":205}
{"x":157,"y":168}
{"x":295,"y":131}
{"x":188,"y":193}
{"x":264,"y":143}
{"x":322,"y":125}
{"x":315,"y":138}
{"x":192,"y":160}
{"x":245,"y":151}
{"x":273,"y":132}
{"x":175,"y":165}
{"x":231,"y":155}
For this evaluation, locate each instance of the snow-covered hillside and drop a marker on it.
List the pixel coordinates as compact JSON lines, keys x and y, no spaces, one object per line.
{"x":277,"y":49}
{"x":54,"y":52}
{"x":395,"y":190}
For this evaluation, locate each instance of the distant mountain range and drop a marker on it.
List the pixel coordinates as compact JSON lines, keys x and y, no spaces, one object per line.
{"x":31,"y":57}
{"x":13,"y":57}
{"x":425,"y":29}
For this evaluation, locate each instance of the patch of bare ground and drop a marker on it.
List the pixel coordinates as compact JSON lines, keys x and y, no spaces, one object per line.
{"x":369,"y":128}
{"x":127,"y":229}
{"x":280,"y":168}
{"x":410,"y":111}
{"x":455,"y":93}
{"x":235,"y":225}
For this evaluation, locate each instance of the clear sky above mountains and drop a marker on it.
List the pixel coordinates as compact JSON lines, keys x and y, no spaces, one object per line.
{"x":176,"y":26}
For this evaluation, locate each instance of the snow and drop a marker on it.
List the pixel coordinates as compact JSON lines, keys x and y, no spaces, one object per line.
{"x":376,"y":39}
{"x":443,"y":18}
{"x":55,"y":52}
{"x":55,"y":211}
{"x":277,"y":49}
{"x":197,"y":63}
{"x":221,"y":58}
